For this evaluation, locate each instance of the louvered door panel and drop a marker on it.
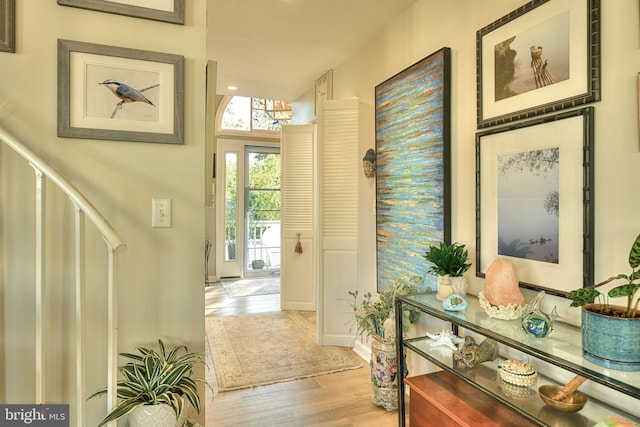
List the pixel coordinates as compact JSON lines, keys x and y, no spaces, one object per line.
{"x":339,"y":167}
{"x":298,"y":208}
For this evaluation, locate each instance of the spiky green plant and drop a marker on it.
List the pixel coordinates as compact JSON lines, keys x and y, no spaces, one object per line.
{"x":155,"y":377}
{"x":448,"y":259}
{"x":628,"y":289}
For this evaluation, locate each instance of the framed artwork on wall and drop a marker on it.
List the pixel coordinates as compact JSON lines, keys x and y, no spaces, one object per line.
{"x":157,"y":10}
{"x":541,"y":58}
{"x":534,"y":200}
{"x":413,"y":189}
{"x":7,"y":25}
{"x":323,"y":90}
{"x":108,"y":92}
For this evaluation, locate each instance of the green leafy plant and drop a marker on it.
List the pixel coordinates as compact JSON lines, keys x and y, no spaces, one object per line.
{"x":155,"y":377}
{"x":448,"y":259}
{"x":629,"y":289}
{"x":370,"y":315}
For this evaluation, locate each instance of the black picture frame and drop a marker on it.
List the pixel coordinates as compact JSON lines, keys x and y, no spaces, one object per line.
{"x":562,"y":37}
{"x":572,"y":134}
{"x":413,"y":168}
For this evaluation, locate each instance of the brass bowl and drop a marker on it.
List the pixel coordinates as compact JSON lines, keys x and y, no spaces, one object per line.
{"x":546,"y":393}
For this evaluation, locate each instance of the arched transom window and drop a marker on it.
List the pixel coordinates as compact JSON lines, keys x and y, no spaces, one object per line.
{"x":255,"y":114}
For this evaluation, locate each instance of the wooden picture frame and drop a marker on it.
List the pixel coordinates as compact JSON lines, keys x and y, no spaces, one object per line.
{"x":7,"y":25}
{"x":541,"y":58}
{"x":526,"y":174}
{"x":165,"y":10}
{"x":89,"y":107}
{"x":413,"y":156}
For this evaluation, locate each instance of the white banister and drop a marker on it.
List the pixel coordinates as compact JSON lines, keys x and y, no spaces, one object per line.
{"x":83,"y":210}
{"x":111,"y":237}
{"x":80,"y":319}
{"x":41,"y":196}
{"x":112,"y":351}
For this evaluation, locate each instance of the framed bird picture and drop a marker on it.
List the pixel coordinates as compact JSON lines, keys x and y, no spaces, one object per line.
{"x":116,"y":93}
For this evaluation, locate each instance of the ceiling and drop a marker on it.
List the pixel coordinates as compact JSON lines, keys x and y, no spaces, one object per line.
{"x":279,"y":48}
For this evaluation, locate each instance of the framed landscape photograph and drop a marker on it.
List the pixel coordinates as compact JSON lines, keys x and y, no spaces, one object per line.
{"x":534,"y":200}
{"x":157,"y":10}
{"x":7,"y":25}
{"x":108,"y":92}
{"x":542,"y":57}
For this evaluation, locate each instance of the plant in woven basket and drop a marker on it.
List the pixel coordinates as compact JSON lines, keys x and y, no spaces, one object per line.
{"x":156,"y":377}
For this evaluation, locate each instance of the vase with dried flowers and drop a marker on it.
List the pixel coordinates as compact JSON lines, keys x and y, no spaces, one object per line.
{"x":377,"y":319}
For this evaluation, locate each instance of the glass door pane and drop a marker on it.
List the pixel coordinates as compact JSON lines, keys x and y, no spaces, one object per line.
{"x":230,"y":206}
{"x":262,"y":208}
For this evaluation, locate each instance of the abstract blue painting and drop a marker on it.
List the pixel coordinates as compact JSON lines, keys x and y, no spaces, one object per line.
{"x":412,"y":115}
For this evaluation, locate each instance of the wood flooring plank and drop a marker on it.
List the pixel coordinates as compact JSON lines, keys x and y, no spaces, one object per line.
{"x":342,"y":399}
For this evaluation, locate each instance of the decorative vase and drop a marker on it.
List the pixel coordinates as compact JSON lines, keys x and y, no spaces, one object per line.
{"x":445,"y":288}
{"x":155,"y":416}
{"x":384,"y":373}
{"x":612,"y":342}
{"x":459,"y":285}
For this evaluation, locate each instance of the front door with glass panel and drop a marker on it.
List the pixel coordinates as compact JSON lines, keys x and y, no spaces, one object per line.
{"x":230,"y":210}
{"x":262,"y":210}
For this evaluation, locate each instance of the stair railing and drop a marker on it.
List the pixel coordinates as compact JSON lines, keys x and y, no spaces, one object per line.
{"x":82,"y":208}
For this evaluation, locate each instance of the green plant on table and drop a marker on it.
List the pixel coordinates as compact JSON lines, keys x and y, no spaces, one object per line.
{"x":448,"y":260}
{"x":628,"y":289}
{"x":156,"y":377}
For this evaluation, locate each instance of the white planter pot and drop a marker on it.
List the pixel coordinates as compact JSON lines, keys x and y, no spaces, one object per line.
{"x":155,"y":416}
{"x":459,"y":285}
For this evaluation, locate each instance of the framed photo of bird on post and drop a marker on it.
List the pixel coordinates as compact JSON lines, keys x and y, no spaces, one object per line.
{"x":116,"y":93}
{"x":541,"y":58}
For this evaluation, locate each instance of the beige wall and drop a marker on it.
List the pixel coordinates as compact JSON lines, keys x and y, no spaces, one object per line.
{"x":430,"y":25}
{"x":161,"y":273}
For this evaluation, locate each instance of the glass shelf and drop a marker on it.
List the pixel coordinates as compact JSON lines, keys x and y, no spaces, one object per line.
{"x":562,"y":348}
{"x":524,"y":400}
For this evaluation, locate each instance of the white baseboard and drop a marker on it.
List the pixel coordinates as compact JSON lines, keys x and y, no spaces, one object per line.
{"x":363,"y":350}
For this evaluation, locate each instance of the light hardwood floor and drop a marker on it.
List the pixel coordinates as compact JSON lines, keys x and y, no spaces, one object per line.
{"x":341,"y":400}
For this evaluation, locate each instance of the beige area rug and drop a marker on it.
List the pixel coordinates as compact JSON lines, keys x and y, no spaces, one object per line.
{"x":266,"y":348}
{"x":257,"y":286}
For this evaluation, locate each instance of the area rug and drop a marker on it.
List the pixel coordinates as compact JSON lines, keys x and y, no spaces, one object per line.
{"x":267,"y":348}
{"x":257,"y":286}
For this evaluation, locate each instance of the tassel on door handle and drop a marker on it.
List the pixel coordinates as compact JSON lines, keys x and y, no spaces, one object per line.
{"x":298,"y":245}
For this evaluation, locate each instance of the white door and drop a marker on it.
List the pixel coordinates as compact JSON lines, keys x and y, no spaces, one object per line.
{"x":339,"y":169}
{"x":230,"y":209}
{"x":298,"y":223}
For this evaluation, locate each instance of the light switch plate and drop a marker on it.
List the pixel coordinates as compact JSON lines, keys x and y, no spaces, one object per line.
{"x":161,"y":213}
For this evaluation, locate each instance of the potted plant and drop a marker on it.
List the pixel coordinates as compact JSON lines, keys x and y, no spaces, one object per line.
{"x":611,"y":333}
{"x":449,"y":262}
{"x":377,"y":319}
{"x":156,"y":383}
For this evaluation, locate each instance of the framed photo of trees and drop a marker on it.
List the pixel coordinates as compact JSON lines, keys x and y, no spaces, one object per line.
{"x":534,"y":200}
